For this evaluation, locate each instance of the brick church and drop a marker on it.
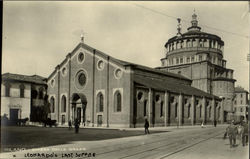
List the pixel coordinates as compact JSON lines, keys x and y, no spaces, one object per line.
{"x":191,"y":86}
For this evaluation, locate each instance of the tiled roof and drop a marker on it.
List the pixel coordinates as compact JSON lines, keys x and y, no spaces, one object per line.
{"x":153,"y":70}
{"x":24,"y":78}
{"x":124,"y":63}
{"x":239,"y":89}
{"x":193,"y":34}
{"x":171,"y":86}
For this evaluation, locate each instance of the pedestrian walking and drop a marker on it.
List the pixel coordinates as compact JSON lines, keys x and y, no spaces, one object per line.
{"x":146,"y":125}
{"x":202,"y":125}
{"x":232,"y":132}
{"x":215,"y":123}
{"x":70,"y":124}
{"x":244,"y":134}
{"x":77,"y":126}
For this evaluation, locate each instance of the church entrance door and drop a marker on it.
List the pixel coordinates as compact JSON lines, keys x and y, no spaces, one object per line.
{"x":78,"y":106}
{"x":78,"y":114}
{"x":13,"y":114}
{"x":99,"y":120}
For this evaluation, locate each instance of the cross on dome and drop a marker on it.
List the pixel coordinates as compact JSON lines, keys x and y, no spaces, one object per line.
{"x":82,"y":36}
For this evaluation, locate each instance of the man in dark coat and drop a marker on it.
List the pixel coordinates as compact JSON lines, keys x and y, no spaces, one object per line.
{"x":77,"y":126}
{"x":232,"y":132}
{"x":215,"y":123}
{"x":146,"y":125}
{"x":70,"y":124}
{"x":244,"y":133}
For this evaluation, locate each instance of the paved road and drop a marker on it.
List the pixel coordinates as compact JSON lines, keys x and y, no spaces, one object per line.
{"x":183,"y":143}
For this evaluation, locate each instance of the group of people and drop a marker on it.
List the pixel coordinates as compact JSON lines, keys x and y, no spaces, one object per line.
{"x":233,"y":130}
{"x":76,"y":125}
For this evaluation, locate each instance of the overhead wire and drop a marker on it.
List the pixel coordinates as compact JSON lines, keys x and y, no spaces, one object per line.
{"x":206,"y":26}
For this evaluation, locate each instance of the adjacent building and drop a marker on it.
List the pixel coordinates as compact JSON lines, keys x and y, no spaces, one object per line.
{"x":241,"y":104}
{"x":21,"y":95}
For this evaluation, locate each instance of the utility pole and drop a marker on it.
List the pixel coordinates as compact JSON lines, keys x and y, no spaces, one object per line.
{"x":248,"y":59}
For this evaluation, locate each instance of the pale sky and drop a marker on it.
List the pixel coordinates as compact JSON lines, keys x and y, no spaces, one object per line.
{"x":38,"y":35}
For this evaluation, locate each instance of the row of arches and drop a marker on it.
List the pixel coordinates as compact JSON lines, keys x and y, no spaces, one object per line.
{"x":99,"y":103}
{"x":188,"y":112}
{"x":63,"y":104}
{"x":188,"y":43}
{"x":171,"y":113}
{"x":170,"y":61}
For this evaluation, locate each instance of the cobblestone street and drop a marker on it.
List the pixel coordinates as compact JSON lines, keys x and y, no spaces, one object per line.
{"x":178,"y":143}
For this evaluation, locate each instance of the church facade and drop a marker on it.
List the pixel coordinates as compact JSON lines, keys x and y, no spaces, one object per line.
{"x":100,"y":90}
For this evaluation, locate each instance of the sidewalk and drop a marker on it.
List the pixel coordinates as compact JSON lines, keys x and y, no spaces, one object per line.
{"x":216,"y":148}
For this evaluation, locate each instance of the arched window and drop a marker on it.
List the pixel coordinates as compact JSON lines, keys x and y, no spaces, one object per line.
{"x":99,"y":102}
{"x":194,"y":43}
{"x":41,"y":93}
{"x":52,"y":104}
{"x":21,"y":91}
{"x":200,"y":111}
{"x":7,"y":89}
{"x":145,"y":108}
{"x":161,"y":109}
{"x":219,"y":113}
{"x":189,"y":44}
{"x":192,"y":59}
{"x":189,"y":107}
{"x":63,"y":104}
{"x":209,"y":112}
{"x":182,"y":44}
{"x":34,"y":94}
{"x":176,"y":110}
{"x":201,"y":44}
{"x":118,"y":101}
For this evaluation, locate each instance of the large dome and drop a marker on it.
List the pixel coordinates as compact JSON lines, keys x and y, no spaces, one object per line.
{"x":194,"y":38}
{"x":196,"y":34}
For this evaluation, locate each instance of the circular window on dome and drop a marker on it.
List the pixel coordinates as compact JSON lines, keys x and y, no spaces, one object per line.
{"x":157,"y":98}
{"x":118,"y":73}
{"x":80,"y":80}
{"x":140,"y":96}
{"x":81,"y":57}
{"x":64,"y":71}
{"x":100,"y":65}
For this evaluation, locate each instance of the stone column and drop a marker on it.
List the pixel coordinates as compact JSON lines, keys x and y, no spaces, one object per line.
{"x":69,"y":84}
{"x":166,"y":108}
{"x":184,"y":43}
{"x":192,"y":109}
{"x":150,"y":102}
{"x":175,"y":45}
{"x":216,"y":45}
{"x":204,"y":110}
{"x":207,"y":43}
{"x":180,"y":105}
{"x":222,"y":111}
{"x":213,"y":110}
{"x":73,"y":112}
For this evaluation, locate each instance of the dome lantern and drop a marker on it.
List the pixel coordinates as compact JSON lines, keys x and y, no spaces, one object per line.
{"x":194,"y":22}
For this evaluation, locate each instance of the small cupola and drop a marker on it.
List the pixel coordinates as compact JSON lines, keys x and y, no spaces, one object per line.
{"x":194,"y":23}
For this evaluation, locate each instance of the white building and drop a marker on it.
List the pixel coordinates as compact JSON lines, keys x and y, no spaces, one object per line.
{"x":21,"y":94}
